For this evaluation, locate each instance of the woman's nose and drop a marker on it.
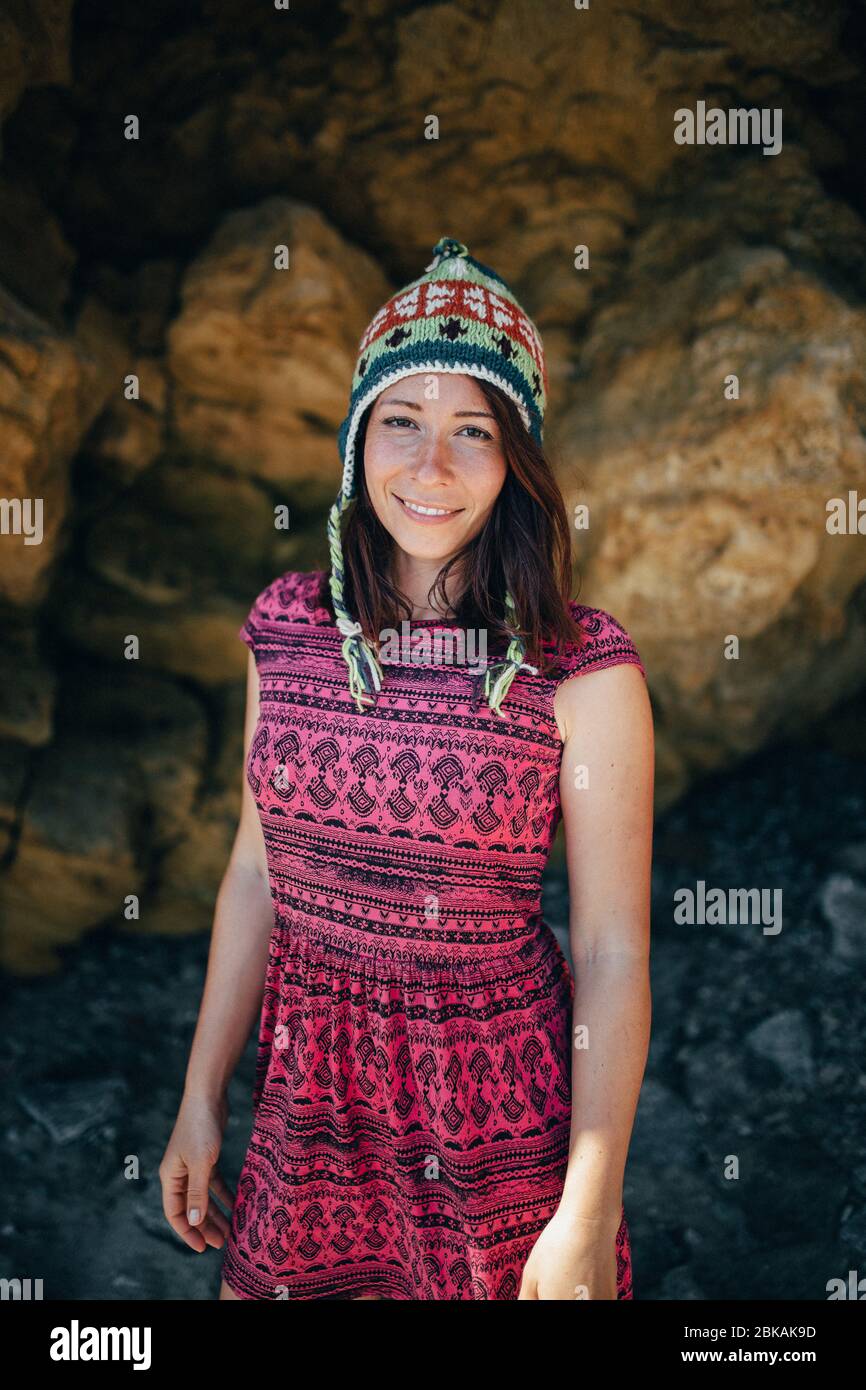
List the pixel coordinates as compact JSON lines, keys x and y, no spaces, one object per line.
{"x":430,"y":461}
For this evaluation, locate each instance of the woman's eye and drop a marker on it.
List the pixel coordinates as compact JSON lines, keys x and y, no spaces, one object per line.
{"x":399,"y":420}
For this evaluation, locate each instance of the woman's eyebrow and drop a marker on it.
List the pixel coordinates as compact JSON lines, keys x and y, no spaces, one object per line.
{"x":413,"y":405}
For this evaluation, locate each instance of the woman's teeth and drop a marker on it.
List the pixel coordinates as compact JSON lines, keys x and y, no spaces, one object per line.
{"x":426,"y":511}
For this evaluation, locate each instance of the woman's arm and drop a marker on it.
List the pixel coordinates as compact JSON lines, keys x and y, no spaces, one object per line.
{"x":606,"y":784}
{"x":608,"y":822}
{"x":243,"y":921}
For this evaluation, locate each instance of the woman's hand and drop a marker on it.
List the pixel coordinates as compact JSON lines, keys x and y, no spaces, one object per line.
{"x":188,"y":1174}
{"x":574,"y":1257}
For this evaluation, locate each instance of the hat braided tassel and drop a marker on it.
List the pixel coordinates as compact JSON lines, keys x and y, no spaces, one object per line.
{"x":365,"y":673}
{"x":497,"y":679}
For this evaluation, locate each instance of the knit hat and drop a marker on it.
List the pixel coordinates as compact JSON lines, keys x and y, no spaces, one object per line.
{"x":459,"y":316}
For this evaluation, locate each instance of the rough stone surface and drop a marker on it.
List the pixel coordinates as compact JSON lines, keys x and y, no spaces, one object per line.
{"x":843,"y":902}
{"x":260,"y":358}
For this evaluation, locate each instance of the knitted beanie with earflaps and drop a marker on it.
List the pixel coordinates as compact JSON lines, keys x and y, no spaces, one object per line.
{"x":459,"y":316}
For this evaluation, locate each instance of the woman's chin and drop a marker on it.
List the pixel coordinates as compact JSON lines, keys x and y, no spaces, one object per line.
{"x":440,"y":547}
{"x":427,"y":542}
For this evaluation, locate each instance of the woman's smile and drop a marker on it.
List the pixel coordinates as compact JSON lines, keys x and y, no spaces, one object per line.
{"x":426,"y":512}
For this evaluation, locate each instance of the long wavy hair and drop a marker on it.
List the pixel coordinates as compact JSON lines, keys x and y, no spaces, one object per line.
{"x":525,"y":546}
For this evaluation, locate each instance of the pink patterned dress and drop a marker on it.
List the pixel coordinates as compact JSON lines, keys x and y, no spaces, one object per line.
{"x":412,"y":1098}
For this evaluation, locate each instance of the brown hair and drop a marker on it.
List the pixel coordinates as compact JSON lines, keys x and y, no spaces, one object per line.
{"x":525,"y":546}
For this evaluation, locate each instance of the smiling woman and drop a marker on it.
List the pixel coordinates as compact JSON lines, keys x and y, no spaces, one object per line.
{"x":426,"y":1123}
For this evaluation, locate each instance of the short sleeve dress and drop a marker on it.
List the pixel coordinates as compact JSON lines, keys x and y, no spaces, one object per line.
{"x":412,"y":1102}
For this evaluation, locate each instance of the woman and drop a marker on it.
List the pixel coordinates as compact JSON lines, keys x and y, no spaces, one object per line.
{"x":440,"y":1112}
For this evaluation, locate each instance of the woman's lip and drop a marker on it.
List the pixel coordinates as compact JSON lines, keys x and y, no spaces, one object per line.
{"x":427,"y":520}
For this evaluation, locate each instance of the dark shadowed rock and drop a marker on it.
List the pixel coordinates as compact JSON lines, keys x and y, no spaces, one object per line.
{"x":68,"y":1109}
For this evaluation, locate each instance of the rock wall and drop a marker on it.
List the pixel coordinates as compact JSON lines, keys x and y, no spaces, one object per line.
{"x":151,"y":261}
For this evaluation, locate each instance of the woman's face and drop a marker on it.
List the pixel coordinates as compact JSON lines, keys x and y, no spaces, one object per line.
{"x":443,"y":454}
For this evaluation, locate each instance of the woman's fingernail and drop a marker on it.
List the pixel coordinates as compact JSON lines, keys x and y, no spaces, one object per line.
{"x":194,"y":1215}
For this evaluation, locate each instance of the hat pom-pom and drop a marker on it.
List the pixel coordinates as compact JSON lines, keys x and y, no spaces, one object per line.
{"x":445,"y":248}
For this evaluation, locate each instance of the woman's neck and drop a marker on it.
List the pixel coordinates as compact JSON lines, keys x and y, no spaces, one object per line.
{"x":415,"y":581}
